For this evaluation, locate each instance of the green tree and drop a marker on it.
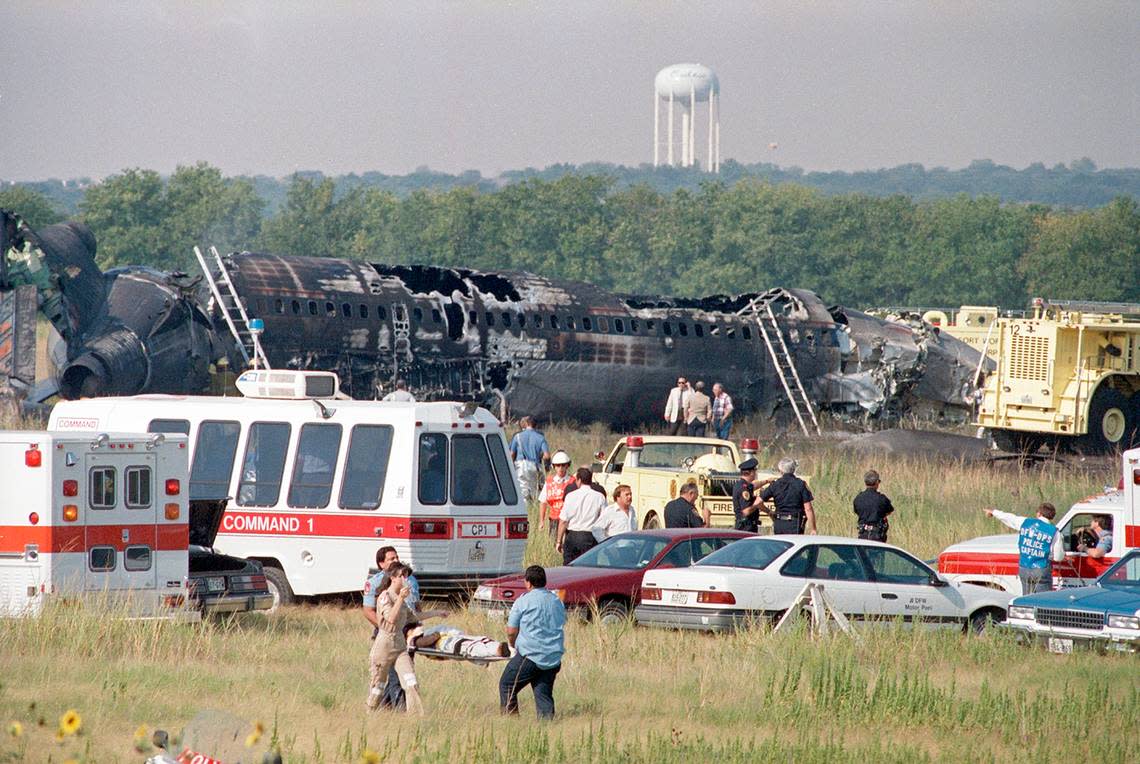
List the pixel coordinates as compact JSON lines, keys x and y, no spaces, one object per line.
{"x":35,"y":208}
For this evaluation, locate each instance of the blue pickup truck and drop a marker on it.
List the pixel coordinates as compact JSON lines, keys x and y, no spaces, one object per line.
{"x":1105,"y":615}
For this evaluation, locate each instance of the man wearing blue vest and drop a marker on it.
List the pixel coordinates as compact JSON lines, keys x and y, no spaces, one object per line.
{"x":1039,"y":545}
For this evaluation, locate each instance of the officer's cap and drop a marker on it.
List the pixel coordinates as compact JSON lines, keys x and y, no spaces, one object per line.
{"x":560,"y":457}
{"x":749,"y":464}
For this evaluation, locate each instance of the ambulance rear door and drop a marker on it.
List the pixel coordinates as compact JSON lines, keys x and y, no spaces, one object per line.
{"x":121,"y":531}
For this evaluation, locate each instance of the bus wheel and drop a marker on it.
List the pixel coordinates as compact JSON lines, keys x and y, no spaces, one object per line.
{"x":1108,"y":423}
{"x":651,"y":522}
{"x":278,"y":587}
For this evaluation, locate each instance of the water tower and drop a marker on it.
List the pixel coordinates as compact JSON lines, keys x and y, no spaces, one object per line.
{"x":688,"y":84}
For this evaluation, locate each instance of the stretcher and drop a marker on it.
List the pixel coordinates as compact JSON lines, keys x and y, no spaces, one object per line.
{"x":445,"y":655}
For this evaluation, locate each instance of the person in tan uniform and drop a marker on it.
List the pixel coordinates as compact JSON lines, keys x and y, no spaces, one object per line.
{"x":390,"y":647}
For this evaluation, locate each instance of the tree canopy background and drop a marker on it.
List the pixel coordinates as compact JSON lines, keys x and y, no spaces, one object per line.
{"x":906,"y":236}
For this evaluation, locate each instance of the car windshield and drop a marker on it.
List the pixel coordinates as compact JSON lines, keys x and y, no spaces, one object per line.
{"x":629,"y":551}
{"x":1124,"y":573}
{"x":749,"y":553}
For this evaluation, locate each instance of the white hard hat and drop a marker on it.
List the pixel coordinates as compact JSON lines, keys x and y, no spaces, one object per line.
{"x":560,"y":457}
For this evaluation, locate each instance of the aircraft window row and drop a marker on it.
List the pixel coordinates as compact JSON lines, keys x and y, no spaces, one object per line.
{"x":263,"y":463}
{"x":507,"y":319}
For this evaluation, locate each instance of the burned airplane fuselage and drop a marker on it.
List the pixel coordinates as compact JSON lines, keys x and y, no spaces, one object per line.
{"x":552,"y":349}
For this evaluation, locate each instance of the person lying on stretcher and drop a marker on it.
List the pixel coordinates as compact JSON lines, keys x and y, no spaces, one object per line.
{"x":449,"y":639}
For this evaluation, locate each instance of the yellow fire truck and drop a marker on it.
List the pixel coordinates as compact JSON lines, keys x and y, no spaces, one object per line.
{"x":1067,"y":375}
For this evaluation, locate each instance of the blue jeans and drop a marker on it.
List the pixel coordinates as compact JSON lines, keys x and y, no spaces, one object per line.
{"x":723,"y":427}
{"x":520,"y":672}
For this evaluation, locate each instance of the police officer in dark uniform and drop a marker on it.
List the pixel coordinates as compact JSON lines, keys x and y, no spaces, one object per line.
{"x":792,"y":498}
{"x":872,"y":508}
{"x":746,"y":502}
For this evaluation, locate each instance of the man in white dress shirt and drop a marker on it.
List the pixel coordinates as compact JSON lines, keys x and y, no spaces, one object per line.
{"x":617,"y":517}
{"x":580,"y":512}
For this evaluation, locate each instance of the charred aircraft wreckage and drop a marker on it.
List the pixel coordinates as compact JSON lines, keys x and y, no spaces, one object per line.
{"x":549,"y":348}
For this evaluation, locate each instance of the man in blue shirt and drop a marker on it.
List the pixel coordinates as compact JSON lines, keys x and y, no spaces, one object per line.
{"x":386,"y":557}
{"x":1039,"y":545}
{"x":535,"y":629}
{"x":529,"y":451}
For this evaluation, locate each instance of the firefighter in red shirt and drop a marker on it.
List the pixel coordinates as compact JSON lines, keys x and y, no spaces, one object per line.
{"x":554,"y":491}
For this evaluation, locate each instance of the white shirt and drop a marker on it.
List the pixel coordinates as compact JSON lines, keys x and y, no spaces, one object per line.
{"x":675,"y":406}
{"x":582,"y":508}
{"x":1057,"y":551}
{"x":614,"y":521}
{"x":400,"y":396}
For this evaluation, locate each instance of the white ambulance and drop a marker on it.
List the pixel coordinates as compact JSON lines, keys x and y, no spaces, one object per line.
{"x":317,"y":483}
{"x":97,"y":517}
{"x":993,"y":560}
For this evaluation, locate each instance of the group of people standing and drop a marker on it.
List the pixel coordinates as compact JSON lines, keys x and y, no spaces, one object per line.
{"x":689,"y":408}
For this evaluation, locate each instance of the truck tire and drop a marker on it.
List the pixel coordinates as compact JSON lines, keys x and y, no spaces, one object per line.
{"x":1108,"y":423}
{"x":278,"y":587}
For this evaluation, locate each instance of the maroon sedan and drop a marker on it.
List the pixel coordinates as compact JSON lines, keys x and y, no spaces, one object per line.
{"x":605,"y":582}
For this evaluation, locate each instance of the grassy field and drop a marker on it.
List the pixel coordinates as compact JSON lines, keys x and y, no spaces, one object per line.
{"x":625,"y":694}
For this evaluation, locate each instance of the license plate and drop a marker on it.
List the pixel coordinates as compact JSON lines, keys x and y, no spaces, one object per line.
{"x":679,"y":598}
{"x":479,"y":530}
{"x":1062,"y":646}
{"x":216,"y":584}
{"x":497,"y":614}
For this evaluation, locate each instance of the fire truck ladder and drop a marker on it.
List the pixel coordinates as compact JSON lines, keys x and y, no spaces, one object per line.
{"x":785,"y":366}
{"x":229,"y":304}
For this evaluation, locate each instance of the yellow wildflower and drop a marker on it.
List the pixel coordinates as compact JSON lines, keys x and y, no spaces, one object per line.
{"x":15,"y":729}
{"x":59,"y":736}
{"x":253,"y":737}
{"x":70,"y":722}
{"x":369,"y":757}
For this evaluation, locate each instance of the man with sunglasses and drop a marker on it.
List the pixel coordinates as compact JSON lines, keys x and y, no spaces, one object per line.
{"x":675,"y":407}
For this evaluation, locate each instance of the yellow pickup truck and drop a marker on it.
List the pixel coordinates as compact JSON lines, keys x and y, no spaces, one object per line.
{"x":656,"y":466}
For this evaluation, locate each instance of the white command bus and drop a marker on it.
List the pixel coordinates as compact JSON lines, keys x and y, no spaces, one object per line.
{"x":95,"y":518}
{"x":316,"y":483}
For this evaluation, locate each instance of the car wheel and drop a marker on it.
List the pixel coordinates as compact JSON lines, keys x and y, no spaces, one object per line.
{"x":613,"y":612}
{"x":983,"y":620}
{"x":279,"y":587}
{"x":651,"y":522}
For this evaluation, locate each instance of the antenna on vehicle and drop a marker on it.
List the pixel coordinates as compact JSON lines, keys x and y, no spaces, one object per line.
{"x":326,"y":412}
{"x":100,"y":440}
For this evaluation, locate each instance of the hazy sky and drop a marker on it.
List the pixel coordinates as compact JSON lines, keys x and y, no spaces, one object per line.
{"x":91,"y":88}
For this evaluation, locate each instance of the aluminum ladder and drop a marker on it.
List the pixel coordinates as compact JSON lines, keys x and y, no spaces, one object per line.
{"x":785,"y":366}
{"x":230,"y":306}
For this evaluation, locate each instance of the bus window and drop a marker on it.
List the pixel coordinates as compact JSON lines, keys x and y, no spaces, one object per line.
{"x":362,"y":486}
{"x":314,"y":465}
{"x":213,"y":460}
{"x":174,"y":426}
{"x":472,"y":477}
{"x":503,"y":468}
{"x":263,"y":465}
{"x":433,"y":468}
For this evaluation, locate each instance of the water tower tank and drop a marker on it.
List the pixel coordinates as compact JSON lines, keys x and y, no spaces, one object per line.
{"x":686,"y":85}
{"x":683,"y":80}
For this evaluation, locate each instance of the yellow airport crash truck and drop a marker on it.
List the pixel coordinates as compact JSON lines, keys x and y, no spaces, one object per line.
{"x":1068,"y":375}
{"x":656,"y":466}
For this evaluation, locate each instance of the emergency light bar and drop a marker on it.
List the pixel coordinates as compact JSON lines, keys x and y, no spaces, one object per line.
{"x":288,"y":385}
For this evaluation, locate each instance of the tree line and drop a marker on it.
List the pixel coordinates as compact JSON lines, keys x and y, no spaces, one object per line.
{"x":854,"y":249}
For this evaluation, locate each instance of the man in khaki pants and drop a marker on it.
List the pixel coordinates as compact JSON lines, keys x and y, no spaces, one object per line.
{"x":698,"y":411}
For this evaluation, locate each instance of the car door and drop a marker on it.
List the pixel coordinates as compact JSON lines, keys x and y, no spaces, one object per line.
{"x":904,"y":589}
{"x":842,"y":573}
{"x":1078,"y":569}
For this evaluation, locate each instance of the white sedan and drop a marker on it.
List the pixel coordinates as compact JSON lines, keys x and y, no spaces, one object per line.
{"x":759,"y":578}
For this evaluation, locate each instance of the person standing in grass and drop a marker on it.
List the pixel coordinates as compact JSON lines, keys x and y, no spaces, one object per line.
{"x":1039,"y":545}
{"x":390,"y":648}
{"x":871,"y":509}
{"x":536,"y":630}
{"x":386,"y":557}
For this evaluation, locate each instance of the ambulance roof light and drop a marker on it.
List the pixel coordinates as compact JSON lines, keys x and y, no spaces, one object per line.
{"x":33,"y":457}
{"x":287,"y":384}
{"x":635,"y":441}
